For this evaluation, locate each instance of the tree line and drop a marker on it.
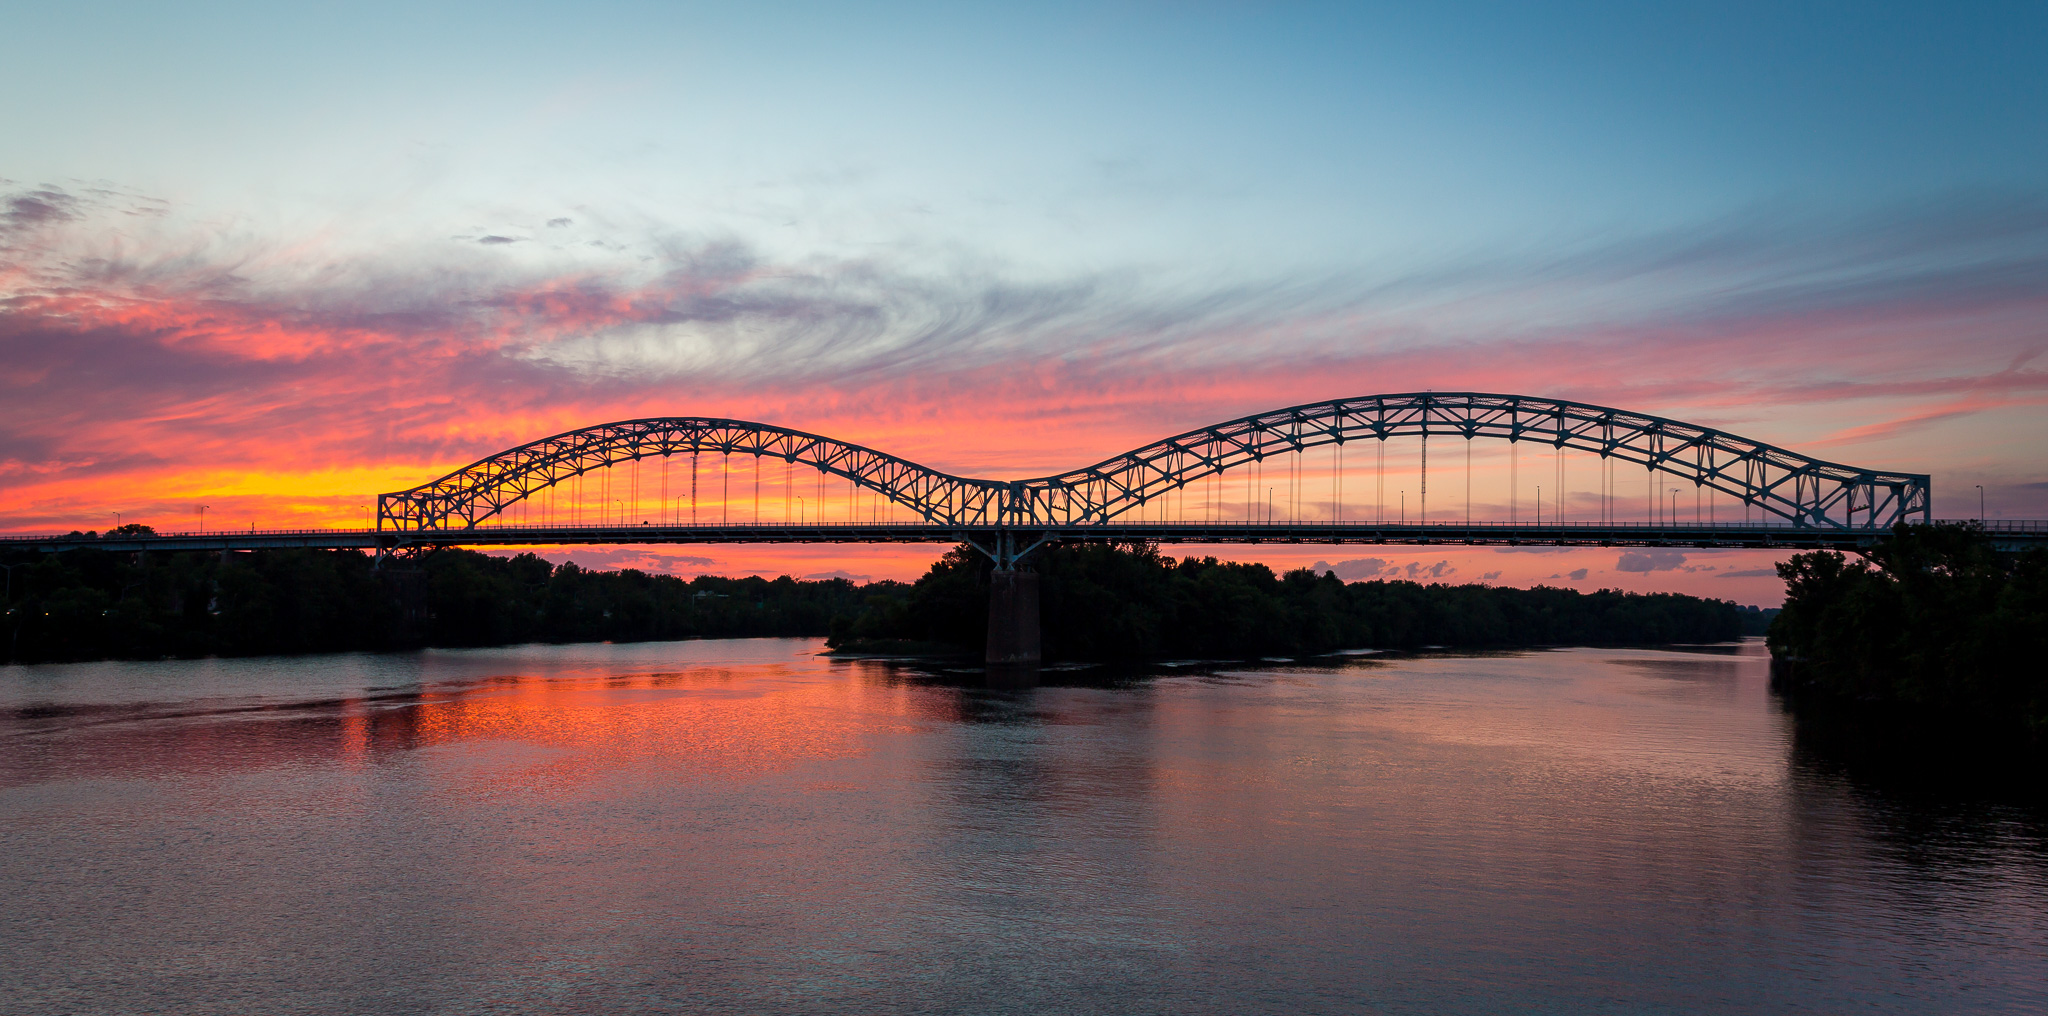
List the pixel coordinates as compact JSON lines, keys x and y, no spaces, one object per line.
{"x":91,"y":604}
{"x":1933,"y":626}
{"x":1099,"y":602}
{"x":1130,"y":602}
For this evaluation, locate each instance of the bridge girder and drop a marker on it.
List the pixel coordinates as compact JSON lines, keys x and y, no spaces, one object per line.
{"x":1779,"y":482}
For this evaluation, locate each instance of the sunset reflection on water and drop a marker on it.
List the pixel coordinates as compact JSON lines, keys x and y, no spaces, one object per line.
{"x":748,"y":826}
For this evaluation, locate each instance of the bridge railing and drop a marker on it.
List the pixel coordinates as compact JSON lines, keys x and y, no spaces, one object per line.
{"x":2002,"y":525}
{"x":189,"y":534}
{"x":2028,"y":526}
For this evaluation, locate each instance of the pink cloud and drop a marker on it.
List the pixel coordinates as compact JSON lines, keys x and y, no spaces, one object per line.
{"x":150,"y":377}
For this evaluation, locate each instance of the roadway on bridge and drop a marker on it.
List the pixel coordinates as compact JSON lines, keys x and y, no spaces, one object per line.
{"x":2011,"y":535}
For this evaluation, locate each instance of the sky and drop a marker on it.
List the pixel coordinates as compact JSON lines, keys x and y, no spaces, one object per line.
{"x":275,"y":259}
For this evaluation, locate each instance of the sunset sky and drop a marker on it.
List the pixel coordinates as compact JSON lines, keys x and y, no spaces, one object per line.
{"x":275,"y":260}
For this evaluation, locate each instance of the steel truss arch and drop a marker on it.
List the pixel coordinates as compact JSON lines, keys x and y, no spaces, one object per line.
{"x":468,"y":496}
{"x":1801,"y":490}
{"x":1796,"y":488}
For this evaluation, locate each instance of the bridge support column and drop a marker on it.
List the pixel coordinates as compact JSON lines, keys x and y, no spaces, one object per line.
{"x":1012,"y":618}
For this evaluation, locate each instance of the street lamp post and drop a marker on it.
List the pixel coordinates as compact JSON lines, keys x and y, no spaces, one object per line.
{"x":1539,"y":504}
{"x":1980,"y":502}
{"x":1671,"y":517}
{"x":800,"y":509}
{"x":202,"y":519}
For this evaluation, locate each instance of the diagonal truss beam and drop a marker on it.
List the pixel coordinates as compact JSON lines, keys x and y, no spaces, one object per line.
{"x":1805,"y":491}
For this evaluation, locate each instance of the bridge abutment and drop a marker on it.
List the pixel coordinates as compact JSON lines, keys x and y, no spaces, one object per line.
{"x":1013,"y":618}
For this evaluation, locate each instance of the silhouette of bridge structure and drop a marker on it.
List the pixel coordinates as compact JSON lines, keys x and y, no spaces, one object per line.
{"x":1205,"y":486}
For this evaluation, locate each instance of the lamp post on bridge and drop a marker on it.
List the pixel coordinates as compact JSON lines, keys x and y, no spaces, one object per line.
{"x":1980,"y":502}
{"x":1671,"y":516}
{"x":202,"y":519}
{"x":622,"y":510}
{"x":800,"y":509}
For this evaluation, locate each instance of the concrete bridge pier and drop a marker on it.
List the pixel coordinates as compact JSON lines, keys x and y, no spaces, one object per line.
{"x":1012,"y":619}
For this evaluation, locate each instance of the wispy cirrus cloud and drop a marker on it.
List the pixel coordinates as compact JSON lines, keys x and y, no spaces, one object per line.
{"x":136,"y":349}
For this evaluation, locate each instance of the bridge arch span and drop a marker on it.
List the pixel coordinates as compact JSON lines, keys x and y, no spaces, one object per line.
{"x":1778,"y":481}
{"x":486,"y":487}
{"x":1804,"y":491}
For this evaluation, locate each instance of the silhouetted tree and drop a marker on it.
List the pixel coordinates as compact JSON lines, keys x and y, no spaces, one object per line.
{"x":1932,"y":622}
{"x":1129,"y":602}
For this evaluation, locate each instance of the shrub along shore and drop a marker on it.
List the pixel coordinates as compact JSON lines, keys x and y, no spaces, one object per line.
{"x":1102,"y":603}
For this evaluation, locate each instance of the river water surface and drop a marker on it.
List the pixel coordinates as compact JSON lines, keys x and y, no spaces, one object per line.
{"x":747,"y":827}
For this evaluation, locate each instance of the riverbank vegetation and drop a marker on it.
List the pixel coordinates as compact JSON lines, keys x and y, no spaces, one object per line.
{"x":1932,"y":630}
{"x":1105,"y":603}
{"x":90,"y":604}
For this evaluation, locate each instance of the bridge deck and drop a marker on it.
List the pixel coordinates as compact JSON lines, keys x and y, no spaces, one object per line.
{"x":2010,"y":535}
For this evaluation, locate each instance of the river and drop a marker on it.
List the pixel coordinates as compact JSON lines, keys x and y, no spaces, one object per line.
{"x":748,"y":827}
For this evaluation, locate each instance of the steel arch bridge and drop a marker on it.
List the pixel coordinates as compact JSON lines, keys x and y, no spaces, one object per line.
{"x":1800,"y":491}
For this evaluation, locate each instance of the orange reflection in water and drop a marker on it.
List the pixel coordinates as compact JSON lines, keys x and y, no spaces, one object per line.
{"x":730,"y":720}
{"x":732,"y":826}
{"x":734,"y":718}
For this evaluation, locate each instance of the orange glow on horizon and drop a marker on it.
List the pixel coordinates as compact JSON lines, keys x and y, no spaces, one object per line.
{"x":278,"y":414}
